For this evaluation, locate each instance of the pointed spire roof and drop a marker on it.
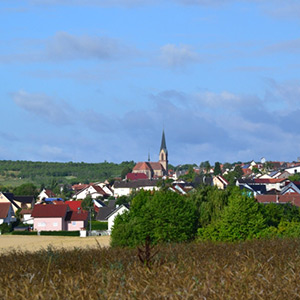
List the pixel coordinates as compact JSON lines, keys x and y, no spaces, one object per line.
{"x":163,"y":142}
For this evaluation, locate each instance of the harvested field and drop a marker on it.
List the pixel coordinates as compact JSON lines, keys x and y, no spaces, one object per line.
{"x":34,"y":243}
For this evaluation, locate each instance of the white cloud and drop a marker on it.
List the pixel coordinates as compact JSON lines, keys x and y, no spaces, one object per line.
{"x":178,"y":56}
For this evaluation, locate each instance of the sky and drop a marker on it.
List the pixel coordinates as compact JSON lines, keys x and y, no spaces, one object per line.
{"x":99,"y":80}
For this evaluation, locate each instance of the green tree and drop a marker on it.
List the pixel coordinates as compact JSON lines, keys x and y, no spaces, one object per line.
{"x":164,"y":216}
{"x":217,"y":169}
{"x":242,"y":219}
{"x":125,"y":171}
{"x":26,"y":189}
{"x":88,"y":205}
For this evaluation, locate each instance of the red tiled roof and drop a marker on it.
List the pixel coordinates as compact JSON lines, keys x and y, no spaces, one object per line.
{"x":141,"y":166}
{"x":4,"y":208}
{"x":136,"y":176}
{"x":79,"y":215}
{"x":156,"y":165}
{"x":74,"y":205}
{"x":50,"y":194}
{"x":287,"y":198}
{"x":49,"y":211}
{"x":79,"y":187}
{"x":269,"y":180}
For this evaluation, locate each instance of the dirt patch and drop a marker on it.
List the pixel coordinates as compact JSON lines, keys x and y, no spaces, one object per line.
{"x":34,"y":243}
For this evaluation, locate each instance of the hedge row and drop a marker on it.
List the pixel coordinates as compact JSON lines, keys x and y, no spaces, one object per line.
{"x":97,"y":225}
{"x":56,"y":233}
{"x":61,"y":233}
{"x":24,"y":233}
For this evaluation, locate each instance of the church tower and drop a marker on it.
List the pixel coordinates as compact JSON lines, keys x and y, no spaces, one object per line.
{"x":163,"y":154}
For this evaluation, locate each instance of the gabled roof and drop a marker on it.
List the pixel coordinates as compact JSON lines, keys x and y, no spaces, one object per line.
{"x":24,"y":199}
{"x":156,"y":166}
{"x":80,"y":215}
{"x":104,"y":212}
{"x":49,"y":211}
{"x":10,"y":197}
{"x":74,"y":205}
{"x":136,"y":176}
{"x":49,"y":193}
{"x":117,"y":209}
{"x":4,"y":209}
{"x":141,"y":166}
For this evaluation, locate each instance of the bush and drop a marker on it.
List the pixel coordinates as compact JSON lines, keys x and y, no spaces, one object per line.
{"x":97,"y":225}
{"x":61,"y":233}
{"x":24,"y":233}
{"x":5,"y":228}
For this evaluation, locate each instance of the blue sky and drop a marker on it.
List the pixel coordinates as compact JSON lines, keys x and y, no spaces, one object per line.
{"x":96,"y":80}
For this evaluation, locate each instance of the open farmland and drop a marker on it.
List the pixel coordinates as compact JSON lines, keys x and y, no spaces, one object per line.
{"x":34,"y":243}
{"x":250,"y":270}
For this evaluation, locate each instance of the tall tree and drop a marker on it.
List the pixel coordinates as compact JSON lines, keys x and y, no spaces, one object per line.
{"x":217,"y":168}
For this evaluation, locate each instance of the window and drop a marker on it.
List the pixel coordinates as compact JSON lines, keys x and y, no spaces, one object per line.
{"x":74,"y":223}
{"x":55,"y":224}
{"x":41,"y":224}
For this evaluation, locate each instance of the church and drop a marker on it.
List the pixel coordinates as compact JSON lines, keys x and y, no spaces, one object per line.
{"x":155,"y":169}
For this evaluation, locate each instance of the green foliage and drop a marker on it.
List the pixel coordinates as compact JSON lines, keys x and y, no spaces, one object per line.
{"x":97,"y":225}
{"x":210,"y":202}
{"x":242,"y":219}
{"x":122,"y":200}
{"x":61,"y":233}
{"x":48,"y":173}
{"x":164,"y":216}
{"x":125,"y":171}
{"x":5,"y":228}
{"x":295,"y":177}
{"x":217,"y":169}
{"x":24,"y":233}
{"x":26,"y":189}
{"x":88,"y":205}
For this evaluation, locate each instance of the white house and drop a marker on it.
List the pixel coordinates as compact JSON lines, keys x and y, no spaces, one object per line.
{"x":118,"y":211}
{"x":93,"y":190}
{"x":125,"y":188}
{"x":45,"y":194}
{"x":293,"y":170}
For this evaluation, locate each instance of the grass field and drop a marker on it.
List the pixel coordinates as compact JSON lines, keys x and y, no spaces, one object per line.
{"x":34,"y":243}
{"x":261,"y":270}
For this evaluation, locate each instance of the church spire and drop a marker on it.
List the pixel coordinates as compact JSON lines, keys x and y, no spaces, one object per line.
{"x":163,"y":142}
{"x":163,"y":154}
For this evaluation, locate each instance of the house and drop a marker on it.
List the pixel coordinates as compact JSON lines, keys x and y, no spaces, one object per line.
{"x":95,"y":191}
{"x":26,"y":216}
{"x":293,"y":170}
{"x":155,"y":169}
{"x":18,"y":202}
{"x":45,"y":193}
{"x":51,"y":217}
{"x":7,"y":214}
{"x":220,"y":182}
{"x":118,"y":211}
{"x":76,"y":220}
{"x":269,"y":183}
{"x":291,"y":188}
{"x":125,"y":188}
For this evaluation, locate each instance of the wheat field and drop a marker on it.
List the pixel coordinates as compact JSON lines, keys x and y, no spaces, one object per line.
{"x":35,"y":243}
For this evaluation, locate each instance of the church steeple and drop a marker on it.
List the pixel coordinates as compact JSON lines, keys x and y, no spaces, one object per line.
{"x":163,"y":153}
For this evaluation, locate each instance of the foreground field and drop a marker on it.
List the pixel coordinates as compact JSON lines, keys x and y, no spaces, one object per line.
{"x":34,"y":243}
{"x":251,"y":270}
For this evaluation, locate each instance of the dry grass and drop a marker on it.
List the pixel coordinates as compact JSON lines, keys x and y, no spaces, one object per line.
{"x":34,"y":243}
{"x":251,"y":270}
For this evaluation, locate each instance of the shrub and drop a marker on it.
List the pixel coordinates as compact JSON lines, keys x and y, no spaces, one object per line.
{"x":61,"y":233}
{"x":97,"y":225}
{"x":24,"y":233}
